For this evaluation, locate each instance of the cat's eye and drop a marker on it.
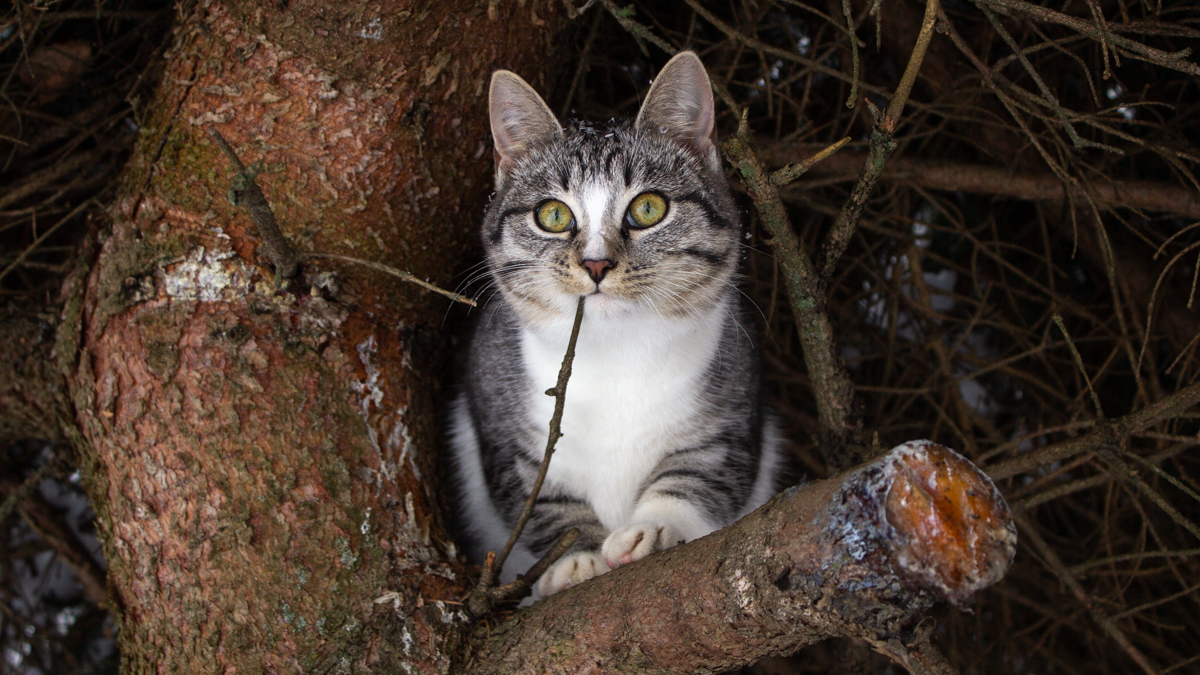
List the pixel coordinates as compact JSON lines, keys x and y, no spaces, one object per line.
{"x":647,"y":209}
{"x":554,"y":216}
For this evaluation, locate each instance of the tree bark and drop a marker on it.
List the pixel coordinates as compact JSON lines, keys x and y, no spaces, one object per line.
{"x":262,"y":463}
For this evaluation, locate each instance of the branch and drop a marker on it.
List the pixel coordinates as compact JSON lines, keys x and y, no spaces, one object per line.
{"x":1133,"y":48}
{"x":484,"y":596}
{"x":246,"y":193}
{"x":861,"y":555}
{"x":979,"y":179}
{"x":33,"y":399}
{"x":882,"y":145}
{"x":1106,"y":433}
{"x":831,"y":385}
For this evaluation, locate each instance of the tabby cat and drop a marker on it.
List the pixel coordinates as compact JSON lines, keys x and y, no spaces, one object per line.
{"x":665,"y":434}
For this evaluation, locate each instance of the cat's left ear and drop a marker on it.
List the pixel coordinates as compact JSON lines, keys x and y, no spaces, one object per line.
{"x":520,"y":120}
{"x":680,"y":104}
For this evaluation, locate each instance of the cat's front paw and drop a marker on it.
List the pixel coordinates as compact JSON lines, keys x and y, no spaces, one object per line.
{"x":572,"y":569}
{"x":635,"y":541}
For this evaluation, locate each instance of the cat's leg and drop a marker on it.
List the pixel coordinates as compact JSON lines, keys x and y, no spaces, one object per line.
{"x":552,"y":517}
{"x":690,"y":493}
{"x":510,"y":475}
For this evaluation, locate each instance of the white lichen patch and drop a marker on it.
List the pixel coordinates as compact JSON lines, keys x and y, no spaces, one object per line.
{"x":207,"y":276}
{"x":743,"y":592}
{"x":372,"y":31}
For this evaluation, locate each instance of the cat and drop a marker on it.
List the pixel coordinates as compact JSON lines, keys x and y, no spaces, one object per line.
{"x":665,"y":433}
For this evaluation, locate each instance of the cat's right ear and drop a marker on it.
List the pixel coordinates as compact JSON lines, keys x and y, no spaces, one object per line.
{"x":520,"y":119}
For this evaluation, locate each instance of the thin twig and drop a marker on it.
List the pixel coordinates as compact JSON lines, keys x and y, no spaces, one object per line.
{"x":882,"y":145}
{"x":831,"y":385}
{"x":1133,"y":48}
{"x":482,"y":597}
{"x":50,"y":469}
{"x":1168,"y":407}
{"x":1048,"y":555}
{"x":1058,"y":321}
{"x":791,"y":172}
{"x":637,"y":30}
{"x":517,"y":590}
{"x":401,"y":274}
{"x":45,"y":235}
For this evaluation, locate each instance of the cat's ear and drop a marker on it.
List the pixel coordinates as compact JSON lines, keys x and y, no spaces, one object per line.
{"x":520,"y":119}
{"x":680,"y":104}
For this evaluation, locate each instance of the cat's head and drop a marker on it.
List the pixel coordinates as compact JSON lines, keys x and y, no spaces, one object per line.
{"x":638,"y":217}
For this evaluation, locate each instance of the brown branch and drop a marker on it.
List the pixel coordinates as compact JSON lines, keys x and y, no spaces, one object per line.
{"x":1114,"y":430}
{"x":246,"y":193}
{"x":861,"y":555}
{"x":1050,"y":557}
{"x":484,"y":596}
{"x":1133,"y":48}
{"x":33,"y":400}
{"x":975,"y":178}
{"x":44,"y":520}
{"x":882,"y":145}
{"x":831,"y":385}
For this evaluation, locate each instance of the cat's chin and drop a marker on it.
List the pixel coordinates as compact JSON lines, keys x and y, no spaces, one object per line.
{"x":604,"y":304}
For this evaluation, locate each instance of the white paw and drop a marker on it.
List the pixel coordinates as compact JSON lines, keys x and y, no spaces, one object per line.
{"x":633,"y":542}
{"x":571,"y":569}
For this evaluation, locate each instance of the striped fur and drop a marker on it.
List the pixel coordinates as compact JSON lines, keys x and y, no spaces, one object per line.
{"x":665,"y":434}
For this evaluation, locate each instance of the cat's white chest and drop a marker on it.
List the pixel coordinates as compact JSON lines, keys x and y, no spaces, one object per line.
{"x":633,"y":397}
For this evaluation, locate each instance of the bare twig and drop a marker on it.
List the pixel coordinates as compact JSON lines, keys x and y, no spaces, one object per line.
{"x":50,"y":469}
{"x":1050,"y":557}
{"x":484,"y":596}
{"x":1139,"y":195}
{"x":401,"y":274}
{"x":44,"y":236}
{"x":1121,"y":427}
{"x":1133,"y":48}
{"x":882,"y":145}
{"x":1058,"y":321}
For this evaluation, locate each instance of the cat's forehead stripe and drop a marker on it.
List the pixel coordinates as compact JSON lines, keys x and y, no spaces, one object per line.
{"x":595,"y":206}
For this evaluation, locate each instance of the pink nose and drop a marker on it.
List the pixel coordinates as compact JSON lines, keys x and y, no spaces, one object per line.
{"x":597,"y":268}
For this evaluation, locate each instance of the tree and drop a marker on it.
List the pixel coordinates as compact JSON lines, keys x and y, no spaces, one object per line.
{"x":262,"y":450}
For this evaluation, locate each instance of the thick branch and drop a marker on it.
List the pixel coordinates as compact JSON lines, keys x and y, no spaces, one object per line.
{"x":863,"y":555}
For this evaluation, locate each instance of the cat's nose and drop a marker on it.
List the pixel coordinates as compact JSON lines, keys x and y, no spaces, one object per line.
{"x":597,"y":268}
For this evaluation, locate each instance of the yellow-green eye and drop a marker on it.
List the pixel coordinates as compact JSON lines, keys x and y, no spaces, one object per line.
{"x":647,"y":209}
{"x":554,"y":216}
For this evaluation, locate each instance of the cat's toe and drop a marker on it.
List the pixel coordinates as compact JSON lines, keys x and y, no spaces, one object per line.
{"x":633,"y":542}
{"x":572,"y":569}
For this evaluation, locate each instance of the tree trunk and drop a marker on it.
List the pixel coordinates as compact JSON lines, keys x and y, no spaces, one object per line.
{"x":262,"y":462}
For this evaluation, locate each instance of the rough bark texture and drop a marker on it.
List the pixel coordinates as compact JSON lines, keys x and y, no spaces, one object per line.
{"x":33,"y":402}
{"x":863,"y":554}
{"x":262,"y":462}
